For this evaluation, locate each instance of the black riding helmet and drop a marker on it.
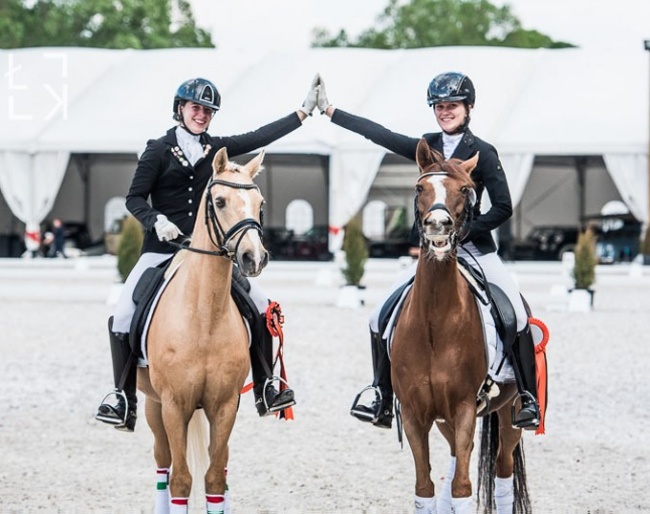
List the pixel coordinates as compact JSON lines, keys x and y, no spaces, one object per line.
{"x":451,"y":87}
{"x":198,"y":90}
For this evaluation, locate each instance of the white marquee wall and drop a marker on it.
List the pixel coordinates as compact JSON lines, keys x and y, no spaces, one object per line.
{"x":529,"y":102}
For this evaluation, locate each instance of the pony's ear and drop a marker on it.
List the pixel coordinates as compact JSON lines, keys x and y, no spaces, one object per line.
{"x":470,"y":163}
{"x":425,"y":156}
{"x":254,"y":166}
{"x":220,"y":161}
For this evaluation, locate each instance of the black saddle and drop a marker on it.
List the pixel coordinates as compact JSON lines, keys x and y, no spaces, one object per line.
{"x":143,"y":297}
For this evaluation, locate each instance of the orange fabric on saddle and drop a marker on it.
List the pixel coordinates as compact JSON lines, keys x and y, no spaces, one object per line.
{"x":541,"y":371}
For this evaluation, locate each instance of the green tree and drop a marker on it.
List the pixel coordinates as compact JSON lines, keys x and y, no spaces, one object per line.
{"x":140,"y":24}
{"x":427,"y":23}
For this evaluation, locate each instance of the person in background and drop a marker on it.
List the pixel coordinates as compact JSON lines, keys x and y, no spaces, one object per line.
{"x":452,"y":97}
{"x":57,"y":246}
{"x":164,"y":196}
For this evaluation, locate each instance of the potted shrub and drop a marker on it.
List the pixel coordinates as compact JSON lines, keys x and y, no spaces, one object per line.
{"x":356,"y":255}
{"x":584,"y":272}
{"x":128,"y":250}
{"x":644,"y":248}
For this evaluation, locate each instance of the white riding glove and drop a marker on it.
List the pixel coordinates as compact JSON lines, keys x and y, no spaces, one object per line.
{"x":312,"y":97}
{"x":322,"y":101}
{"x":165,"y":229}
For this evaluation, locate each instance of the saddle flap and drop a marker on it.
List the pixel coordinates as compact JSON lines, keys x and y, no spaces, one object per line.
{"x":504,"y":315}
{"x":143,"y":297}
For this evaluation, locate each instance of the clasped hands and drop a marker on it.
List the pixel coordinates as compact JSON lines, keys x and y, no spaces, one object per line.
{"x":316,"y":97}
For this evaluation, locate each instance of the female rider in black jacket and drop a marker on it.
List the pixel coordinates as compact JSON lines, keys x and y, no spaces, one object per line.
{"x":173,"y":173}
{"x":452,"y":97}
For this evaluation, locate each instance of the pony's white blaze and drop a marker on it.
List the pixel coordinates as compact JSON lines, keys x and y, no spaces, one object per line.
{"x":252,"y":235}
{"x":436,"y":234}
{"x":438,"y":183}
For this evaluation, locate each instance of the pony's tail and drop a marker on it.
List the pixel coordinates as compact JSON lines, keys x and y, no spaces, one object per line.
{"x":198,"y":459}
{"x":487,"y":469}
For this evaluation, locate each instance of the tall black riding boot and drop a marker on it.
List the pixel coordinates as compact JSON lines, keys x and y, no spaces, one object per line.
{"x":380,"y":411}
{"x":122,"y":413}
{"x":523,"y":359}
{"x":267,"y":398}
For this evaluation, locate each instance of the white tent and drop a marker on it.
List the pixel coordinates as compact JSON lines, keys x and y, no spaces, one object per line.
{"x":530,"y":102}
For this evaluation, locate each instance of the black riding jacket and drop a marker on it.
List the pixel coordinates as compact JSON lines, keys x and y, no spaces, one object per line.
{"x":166,"y":177}
{"x":488,"y":173}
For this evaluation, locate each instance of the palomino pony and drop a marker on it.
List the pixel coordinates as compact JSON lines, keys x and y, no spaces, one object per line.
{"x":438,"y":354}
{"x":197,"y":341}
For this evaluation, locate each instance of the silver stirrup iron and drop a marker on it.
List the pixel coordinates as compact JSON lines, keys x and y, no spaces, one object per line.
{"x":269,"y":381}
{"x":118,"y":423}
{"x":378,"y":398}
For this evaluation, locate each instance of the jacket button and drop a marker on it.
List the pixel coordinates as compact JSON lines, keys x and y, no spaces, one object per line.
{"x":189,"y":213}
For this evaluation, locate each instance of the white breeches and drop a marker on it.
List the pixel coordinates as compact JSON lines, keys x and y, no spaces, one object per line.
{"x":125,"y":307}
{"x":493,"y":268}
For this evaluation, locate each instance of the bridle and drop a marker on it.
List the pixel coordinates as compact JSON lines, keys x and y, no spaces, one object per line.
{"x":218,"y":236}
{"x":458,"y":234}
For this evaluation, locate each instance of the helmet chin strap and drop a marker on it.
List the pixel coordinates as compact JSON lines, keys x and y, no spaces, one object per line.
{"x":188,"y":130}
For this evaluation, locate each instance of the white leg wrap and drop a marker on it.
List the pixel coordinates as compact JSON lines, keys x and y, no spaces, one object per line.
{"x":504,"y":496}
{"x":444,"y":500}
{"x":462,"y":505}
{"x":215,"y":503}
{"x":178,"y":506}
{"x":425,"y":505}
{"x":162,"y":491}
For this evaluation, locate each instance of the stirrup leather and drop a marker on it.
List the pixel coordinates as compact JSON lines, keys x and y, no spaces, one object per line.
{"x":364,"y":415}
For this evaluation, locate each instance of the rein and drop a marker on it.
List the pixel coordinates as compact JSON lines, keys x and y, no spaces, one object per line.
{"x":218,"y":236}
{"x":457,"y":235}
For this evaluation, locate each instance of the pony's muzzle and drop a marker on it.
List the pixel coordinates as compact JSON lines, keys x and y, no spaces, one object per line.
{"x":437,"y":223}
{"x":251,"y":263}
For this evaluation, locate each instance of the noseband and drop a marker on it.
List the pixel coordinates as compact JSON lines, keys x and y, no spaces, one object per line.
{"x":218,"y":236}
{"x":456,"y":235}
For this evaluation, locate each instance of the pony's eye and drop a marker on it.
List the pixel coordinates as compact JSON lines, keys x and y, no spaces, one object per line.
{"x":220,"y":202}
{"x":464,"y":190}
{"x":418,"y":188}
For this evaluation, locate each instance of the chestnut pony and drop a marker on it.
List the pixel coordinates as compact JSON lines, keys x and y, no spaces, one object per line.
{"x":197,"y":341}
{"x":438,"y":354}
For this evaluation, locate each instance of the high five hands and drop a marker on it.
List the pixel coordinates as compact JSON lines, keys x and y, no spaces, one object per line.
{"x":316,"y":97}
